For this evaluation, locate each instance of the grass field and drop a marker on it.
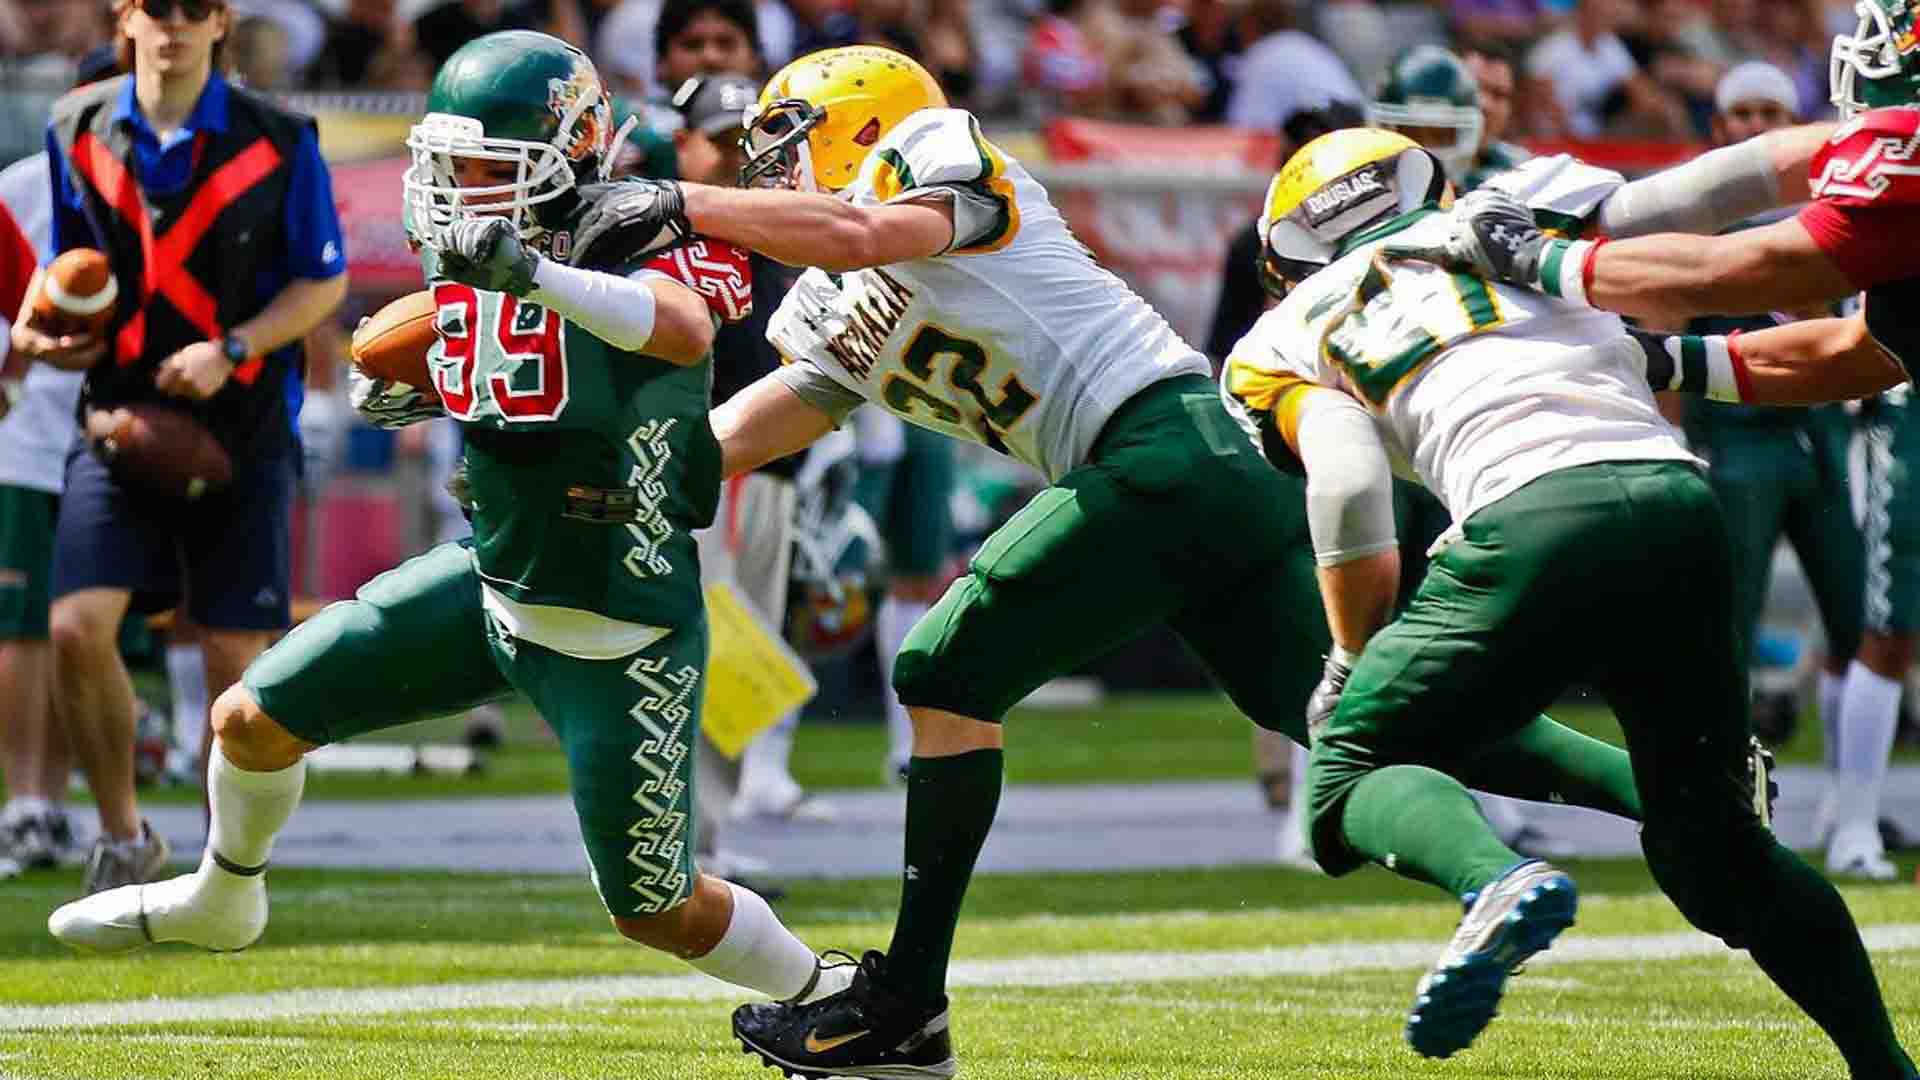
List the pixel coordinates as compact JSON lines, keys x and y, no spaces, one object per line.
{"x":1169,"y":736}
{"x":1252,"y":972}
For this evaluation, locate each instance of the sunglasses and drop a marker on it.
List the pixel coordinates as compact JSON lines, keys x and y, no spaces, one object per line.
{"x":194,"y":10}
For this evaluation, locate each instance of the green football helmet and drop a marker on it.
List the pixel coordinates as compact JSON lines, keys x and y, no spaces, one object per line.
{"x":1428,"y":93}
{"x":518,"y":97}
{"x":1878,"y":65}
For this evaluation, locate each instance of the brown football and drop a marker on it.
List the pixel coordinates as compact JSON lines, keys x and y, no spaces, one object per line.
{"x":392,"y":343}
{"x":158,"y":450}
{"x":77,"y":294}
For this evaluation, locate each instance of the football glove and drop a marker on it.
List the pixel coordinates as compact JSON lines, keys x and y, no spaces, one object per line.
{"x":1325,"y":699}
{"x":628,"y":218}
{"x":486,"y":253}
{"x":1493,"y":236}
{"x":388,"y":404}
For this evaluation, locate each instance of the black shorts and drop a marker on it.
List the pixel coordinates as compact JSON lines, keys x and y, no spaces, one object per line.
{"x":225,"y":555}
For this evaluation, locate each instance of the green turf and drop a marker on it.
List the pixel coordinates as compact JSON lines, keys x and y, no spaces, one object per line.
{"x":1709,"y":1017}
{"x":1129,"y":737}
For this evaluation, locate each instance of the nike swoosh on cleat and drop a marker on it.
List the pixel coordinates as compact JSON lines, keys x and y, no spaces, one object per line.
{"x":821,"y":1046}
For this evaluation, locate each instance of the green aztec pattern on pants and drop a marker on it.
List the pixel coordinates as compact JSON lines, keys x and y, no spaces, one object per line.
{"x":416,"y":642}
{"x":1614,"y":573}
{"x":1891,"y":530}
{"x":1786,"y":475}
{"x":26,"y":561}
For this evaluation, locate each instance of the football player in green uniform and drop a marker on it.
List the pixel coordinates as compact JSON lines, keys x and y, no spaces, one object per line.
{"x":582,"y":393}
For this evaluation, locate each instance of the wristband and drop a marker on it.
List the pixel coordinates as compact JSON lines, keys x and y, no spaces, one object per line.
{"x":1566,"y":269}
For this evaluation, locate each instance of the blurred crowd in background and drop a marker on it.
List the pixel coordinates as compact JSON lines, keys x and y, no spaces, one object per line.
{"x":1588,"y":68}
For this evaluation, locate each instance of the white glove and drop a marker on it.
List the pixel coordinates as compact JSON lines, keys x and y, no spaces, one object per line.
{"x":390,"y":405}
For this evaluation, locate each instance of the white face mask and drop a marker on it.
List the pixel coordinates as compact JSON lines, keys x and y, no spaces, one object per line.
{"x":1870,"y":52}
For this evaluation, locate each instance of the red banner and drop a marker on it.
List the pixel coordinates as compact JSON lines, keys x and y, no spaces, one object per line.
{"x":367,"y":194}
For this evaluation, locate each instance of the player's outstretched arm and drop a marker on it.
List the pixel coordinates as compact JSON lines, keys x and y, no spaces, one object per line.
{"x":765,"y":422}
{"x":1817,"y":360}
{"x":811,"y":229}
{"x":1670,"y":278}
{"x":1719,"y":188}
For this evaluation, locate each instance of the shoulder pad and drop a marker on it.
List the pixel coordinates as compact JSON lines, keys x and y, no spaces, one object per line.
{"x":931,"y":147}
{"x":1563,"y":192}
{"x":1870,"y":160}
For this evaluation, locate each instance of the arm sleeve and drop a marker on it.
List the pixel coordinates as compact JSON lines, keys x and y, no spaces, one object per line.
{"x":315,"y":248}
{"x":1719,"y":188}
{"x":717,"y":270}
{"x":1871,"y":245}
{"x":617,"y":310}
{"x":818,"y":389}
{"x":1349,"y":479}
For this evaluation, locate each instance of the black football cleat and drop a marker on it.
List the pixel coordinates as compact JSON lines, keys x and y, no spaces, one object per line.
{"x":864,"y":1031}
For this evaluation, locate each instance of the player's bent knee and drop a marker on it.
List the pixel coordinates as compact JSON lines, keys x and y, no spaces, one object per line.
{"x":249,"y":737}
{"x":1704,"y":872}
{"x":77,"y":630}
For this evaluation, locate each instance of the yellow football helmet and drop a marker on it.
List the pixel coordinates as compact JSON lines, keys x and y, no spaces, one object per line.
{"x":821,"y":115}
{"x":1336,"y":186}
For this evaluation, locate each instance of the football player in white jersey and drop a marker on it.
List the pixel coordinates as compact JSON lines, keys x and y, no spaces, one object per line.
{"x":1589,"y":549}
{"x":947,"y":289}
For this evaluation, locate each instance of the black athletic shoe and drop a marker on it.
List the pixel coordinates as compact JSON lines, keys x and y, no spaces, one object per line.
{"x":864,"y":1031}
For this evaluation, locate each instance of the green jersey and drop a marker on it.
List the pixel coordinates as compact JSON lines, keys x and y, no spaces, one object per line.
{"x":588,"y":466}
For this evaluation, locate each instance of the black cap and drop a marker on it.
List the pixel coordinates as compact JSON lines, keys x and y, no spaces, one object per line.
{"x":715,"y":104}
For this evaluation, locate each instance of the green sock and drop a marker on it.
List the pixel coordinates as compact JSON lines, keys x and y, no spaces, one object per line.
{"x":1549,"y":762}
{"x":1801,"y":934}
{"x":1420,"y":823}
{"x":950,"y":806}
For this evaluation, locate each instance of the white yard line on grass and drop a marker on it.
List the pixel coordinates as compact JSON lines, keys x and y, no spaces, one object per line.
{"x":1036,"y":971}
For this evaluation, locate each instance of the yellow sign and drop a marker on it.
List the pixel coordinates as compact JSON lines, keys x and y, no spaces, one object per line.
{"x":753,"y":678}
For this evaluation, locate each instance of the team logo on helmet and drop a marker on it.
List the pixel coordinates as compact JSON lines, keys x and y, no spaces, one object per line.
{"x":564,"y":97}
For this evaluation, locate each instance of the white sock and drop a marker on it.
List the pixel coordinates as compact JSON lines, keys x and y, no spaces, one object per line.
{"x":1869,"y":712}
{"x":248,"y":809}
{"x":1831,"y":709}
{"x":187,"y":675}
{"x":758,"y":951}
{"x":890,"y":628}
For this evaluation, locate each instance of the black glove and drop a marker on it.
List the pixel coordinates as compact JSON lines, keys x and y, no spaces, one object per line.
{"x":625,"y":218}
{"x":1326,"y":697}
{"x":486,"y":253}
{"x":1494,"y":236}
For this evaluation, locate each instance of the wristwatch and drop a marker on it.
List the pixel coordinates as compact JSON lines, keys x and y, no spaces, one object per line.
{"x":235,"y":349}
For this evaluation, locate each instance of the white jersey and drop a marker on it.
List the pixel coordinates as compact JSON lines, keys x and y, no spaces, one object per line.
{"x":35,"y":436}
{"x":1014,"y":337}
{"x":1481,"y":387}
